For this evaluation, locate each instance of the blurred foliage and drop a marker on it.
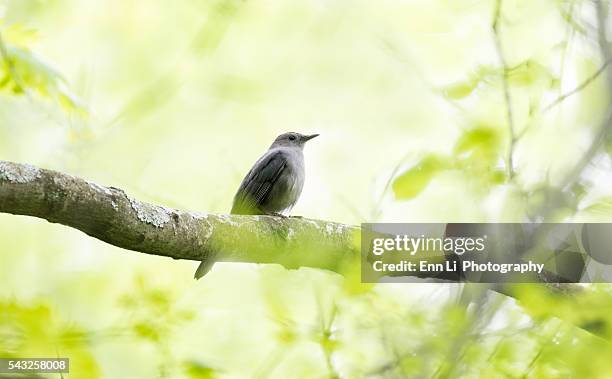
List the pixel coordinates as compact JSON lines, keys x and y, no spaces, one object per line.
{"x":476,"y":153}
{"x":179,"y":98}
{"x":36,"y":331}
{"x":602,"y":207}
{"x":588,"y":310}
{"x":24,"y":73}
{"x":413,"y":181}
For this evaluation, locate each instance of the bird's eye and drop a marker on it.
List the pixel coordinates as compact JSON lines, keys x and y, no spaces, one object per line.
{"x":292,"y":137}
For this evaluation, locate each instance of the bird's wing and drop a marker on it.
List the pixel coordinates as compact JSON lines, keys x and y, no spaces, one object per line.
{"x":258,"y":183}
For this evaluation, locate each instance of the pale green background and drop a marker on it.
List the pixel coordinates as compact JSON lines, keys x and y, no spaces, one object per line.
{"x":183,"y":96}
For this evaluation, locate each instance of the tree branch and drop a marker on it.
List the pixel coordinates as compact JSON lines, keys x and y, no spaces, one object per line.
{"x":110,"y":215}
{"x":505,"y":86}
{"x":606,"y":125}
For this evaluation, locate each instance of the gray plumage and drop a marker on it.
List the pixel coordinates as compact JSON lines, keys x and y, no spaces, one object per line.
{"x":274,"y":183}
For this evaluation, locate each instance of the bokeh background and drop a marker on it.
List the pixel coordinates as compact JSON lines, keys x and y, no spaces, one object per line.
{"x":421,"y":105}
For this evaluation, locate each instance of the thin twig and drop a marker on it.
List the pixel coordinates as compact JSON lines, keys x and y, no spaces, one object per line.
{"x":580,"y":87}
{"x":326,"y":332}
{"x":506,"y":89}
{"x":606,"y":125}
{"x":568,"y":16}
{"x":548,"y":340}
{"x":568,"y":38}
{"x":377,"y":209}
{"x":457,"y":346}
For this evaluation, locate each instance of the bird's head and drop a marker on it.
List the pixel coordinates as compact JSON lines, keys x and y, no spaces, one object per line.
{"x":292,"y":139}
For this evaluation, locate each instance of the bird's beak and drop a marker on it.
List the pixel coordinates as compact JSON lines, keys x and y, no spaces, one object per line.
{"x":308,"y":138}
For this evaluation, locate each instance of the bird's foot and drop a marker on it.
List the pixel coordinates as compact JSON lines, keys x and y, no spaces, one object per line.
{"x":296,"y":216}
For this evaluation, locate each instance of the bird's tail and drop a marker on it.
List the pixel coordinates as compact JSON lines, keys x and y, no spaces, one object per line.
{"x":203,"y":269}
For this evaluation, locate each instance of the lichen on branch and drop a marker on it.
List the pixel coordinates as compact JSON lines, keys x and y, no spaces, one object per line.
{"x":110,"y":215}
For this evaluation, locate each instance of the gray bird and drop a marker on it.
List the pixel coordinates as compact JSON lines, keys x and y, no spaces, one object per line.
{"x":274,"y":183}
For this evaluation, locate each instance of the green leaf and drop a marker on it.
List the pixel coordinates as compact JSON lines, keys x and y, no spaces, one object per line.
{"x":196,"y":370}
{"x":19,"y":34}
{"x":28,"y":73}
{"x":602,"y":207}
{"x":497,"y":176}
{"x":36,"y":329}
{"x":462,"y":89}
{"x":409,"y":184}
{"x":146,"y":330}
{"x":477,"y":153}
{"x":482,"y":145}
{"x":530,"y":73}
{"x":526,"y":74}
